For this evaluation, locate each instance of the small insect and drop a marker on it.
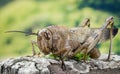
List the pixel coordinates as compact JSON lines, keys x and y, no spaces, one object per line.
{"x":66,"y":42}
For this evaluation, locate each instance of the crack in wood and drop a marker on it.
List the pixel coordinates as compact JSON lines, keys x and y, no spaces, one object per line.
{"x":37,"y":68}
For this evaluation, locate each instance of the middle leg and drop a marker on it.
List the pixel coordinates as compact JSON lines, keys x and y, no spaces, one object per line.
{"x":85,"y":23}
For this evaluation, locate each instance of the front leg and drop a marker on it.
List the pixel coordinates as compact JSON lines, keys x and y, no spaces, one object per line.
{"x":34,"y":43}
{"x":33,"y":48}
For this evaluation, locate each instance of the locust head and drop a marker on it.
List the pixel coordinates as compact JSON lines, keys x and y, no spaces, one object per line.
{"x":44,"y":40}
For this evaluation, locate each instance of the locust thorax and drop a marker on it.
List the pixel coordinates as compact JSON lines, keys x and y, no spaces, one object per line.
{"x":44,"y":41}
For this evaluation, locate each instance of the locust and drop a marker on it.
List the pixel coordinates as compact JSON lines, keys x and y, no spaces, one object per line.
{"x":67,"y":42}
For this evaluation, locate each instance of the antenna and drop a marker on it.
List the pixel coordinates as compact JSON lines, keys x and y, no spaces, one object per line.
{"x":26,"y":33}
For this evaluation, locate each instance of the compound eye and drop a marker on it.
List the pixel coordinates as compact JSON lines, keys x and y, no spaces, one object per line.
{"x":47,"y":35}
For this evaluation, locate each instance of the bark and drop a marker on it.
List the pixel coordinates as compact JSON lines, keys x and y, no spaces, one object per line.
{"x":37,"y":65}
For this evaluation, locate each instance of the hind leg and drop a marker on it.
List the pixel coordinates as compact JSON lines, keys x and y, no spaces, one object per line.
{"x":94,"y":53}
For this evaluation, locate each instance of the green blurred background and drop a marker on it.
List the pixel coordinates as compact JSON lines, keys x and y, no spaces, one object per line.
{"x":31,"y":15}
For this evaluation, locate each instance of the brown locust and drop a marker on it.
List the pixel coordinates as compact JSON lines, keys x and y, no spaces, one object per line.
{"x":67,"y":42}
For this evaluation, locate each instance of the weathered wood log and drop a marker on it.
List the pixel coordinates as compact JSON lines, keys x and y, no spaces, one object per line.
{"x":37,"y":65}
